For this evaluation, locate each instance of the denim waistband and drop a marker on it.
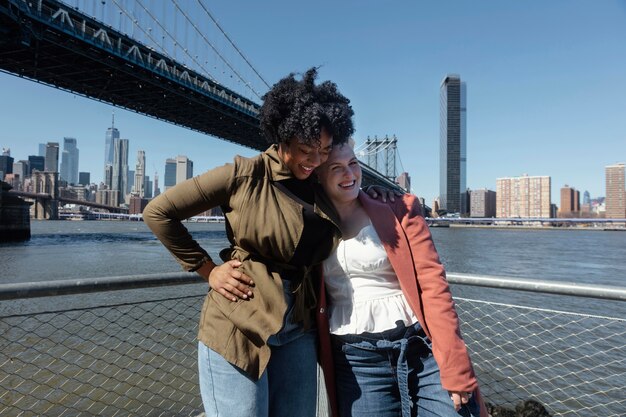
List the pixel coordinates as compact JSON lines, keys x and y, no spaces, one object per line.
{"x":401,"y":331}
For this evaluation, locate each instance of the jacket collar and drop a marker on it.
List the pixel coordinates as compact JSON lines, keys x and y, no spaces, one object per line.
{"x":278,"y":169}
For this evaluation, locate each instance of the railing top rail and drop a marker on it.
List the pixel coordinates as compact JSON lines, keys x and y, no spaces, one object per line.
{"x":21,"y":290}
{"x":24,"y":290}
{"x":604,"y":292}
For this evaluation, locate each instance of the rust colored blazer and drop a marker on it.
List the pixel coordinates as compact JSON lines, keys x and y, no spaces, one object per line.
{"x":411,"y":251}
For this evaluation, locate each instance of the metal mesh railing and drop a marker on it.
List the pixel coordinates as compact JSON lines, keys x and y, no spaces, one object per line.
{"x":139,"y":357}
{"x":574,"y":364}
{"x":126,"y":359}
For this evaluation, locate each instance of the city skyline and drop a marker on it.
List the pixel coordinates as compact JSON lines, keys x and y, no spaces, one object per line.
{"x":545,"y":101}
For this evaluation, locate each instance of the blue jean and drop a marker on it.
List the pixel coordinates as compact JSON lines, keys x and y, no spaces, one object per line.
{"x":392,"y":373}
{"x":287,"y":388}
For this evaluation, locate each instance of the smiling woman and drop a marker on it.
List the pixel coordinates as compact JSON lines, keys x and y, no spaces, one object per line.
{"x":395,"y":344}
{"x":257,"y":352}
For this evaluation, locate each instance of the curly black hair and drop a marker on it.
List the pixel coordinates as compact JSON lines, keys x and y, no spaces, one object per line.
{"x":300,"y":109}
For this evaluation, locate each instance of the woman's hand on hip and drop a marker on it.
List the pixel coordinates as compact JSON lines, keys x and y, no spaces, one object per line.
{"x":459,"y":398}
{"x":233,"y":284}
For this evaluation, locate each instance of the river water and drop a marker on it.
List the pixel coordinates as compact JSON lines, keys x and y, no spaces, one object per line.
{"x":86,"y":249}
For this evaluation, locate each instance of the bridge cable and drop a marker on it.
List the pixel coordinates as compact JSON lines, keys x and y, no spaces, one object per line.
{"x":383,"y":146}
{"x":163,"y":50}
{"x":232,"y":43}
{"x":216,"y":51}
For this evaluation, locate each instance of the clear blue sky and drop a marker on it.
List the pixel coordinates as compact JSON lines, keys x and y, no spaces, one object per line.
{"x":545,"y":80}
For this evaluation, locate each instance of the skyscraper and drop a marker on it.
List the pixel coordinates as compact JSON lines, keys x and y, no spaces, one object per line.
{"x":615,"y":191}
{"x":147,"y":187}
{"x":36,"y":163}
{"x":6,"y":163}
{"x":157,"y":191}
{"x":523,"y":196}
{"x":52,"y":157}
{"x":452,"y":145}
{"x":140,"y":172}
{"x":120,"y":168}
{"x":21,"y":168}
{"x":69,"y":161}
{"x":84,"y":178}
{"x":404,"y":181}
{"x":109,"y":143}
{"x":169,"y":179}
{"x":42,"y":150}
{"x":184,"y":168}
{"x":569,"y":206}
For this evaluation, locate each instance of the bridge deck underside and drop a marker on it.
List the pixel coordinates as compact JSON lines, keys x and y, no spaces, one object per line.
{"x":68,"y":63}
{"x":34,"y":50}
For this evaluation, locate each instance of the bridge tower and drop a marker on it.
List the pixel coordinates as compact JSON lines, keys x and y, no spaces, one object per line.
{"x":383,"y":151}
{"x":45,"y":207}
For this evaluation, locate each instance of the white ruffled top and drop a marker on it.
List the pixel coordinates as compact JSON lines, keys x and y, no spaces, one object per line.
{"x":363,"y":289}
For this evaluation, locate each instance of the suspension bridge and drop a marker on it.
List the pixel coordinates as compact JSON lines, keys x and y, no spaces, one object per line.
{"x":161,"y":60}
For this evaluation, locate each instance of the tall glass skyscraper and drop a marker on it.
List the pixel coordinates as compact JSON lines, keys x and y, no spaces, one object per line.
{"x":120,"y":168}
{"x":452,"y":145}
{"x":52,"y":157}
{"x":69,"y":161}
{"x":109,"y":142}
{"x":169,"y":179}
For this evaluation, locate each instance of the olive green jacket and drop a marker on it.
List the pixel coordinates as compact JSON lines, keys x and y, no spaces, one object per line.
{"x":264,"y":226}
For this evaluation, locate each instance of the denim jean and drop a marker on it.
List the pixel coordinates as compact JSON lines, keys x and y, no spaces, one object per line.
{"x":287,"y":388}
{"x":392,"y":373}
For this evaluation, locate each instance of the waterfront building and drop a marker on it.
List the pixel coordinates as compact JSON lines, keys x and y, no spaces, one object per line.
{"x":452,"y":144}
{"x":6,"y":164}
{"x":435,"y":208}
{"x":615,"y":191}
{"x":169,"y":179}
{"x":36,"y":163}
{"x":184,"y":168}
{"x":404,"y":181}
{"x":523,"y":196}
{"x":52,"y":157}
{"x":137,"y":204}
{"x":21,"y":168}
{"x":119,"y":181}
{"x":482,"y":203}
{"x":69,"y":161}
{"x":147,"y":186}
{"x":84,"y":178}
{"x":108,"y":197}
{"x":139,"y":187}
{"x":570,"y":202}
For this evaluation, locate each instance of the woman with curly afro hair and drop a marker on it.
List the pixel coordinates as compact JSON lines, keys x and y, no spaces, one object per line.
{"x":256,"y":350}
